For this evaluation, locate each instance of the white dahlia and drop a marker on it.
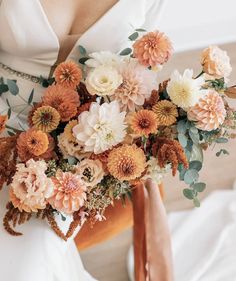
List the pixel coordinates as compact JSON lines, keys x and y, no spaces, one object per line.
{"x":103,"y":80}
{"x":184,"y":90}
{"x":101,"y":128}
{"x":103,"y":58}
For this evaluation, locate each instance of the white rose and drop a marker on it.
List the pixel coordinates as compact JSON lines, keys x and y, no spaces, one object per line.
{"x":103,"y":81}
{"x":103,"y":58}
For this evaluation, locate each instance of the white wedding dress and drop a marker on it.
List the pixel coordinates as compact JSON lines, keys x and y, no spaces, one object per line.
{"x":28,"y":44}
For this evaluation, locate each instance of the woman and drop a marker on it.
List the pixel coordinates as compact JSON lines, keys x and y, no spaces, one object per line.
{"x":35,"y":36}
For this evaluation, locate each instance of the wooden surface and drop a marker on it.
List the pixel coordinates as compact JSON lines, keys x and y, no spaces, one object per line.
{"x":107,"y":262}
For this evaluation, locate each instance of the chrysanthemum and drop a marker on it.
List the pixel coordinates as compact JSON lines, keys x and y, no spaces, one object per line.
{"x":46,"y":119}
{"x":184,"y":90}
{"x":98,"y":131}
{"x":154,"y":48}
{"x":3,"y":121}
{"x":143,"y":122}
{"x":209,"y":112}
{"x":32,"y":111}
{"x":166,"y":113}
{"x":126,"y":162}
{"x":137,"y":86}
{"x":69,"y":192}
{"x":64,"y":100}
{"x":35,"y":144}
{"x":68,"y":74}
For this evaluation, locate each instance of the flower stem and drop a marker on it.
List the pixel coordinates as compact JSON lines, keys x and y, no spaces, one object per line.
{"x":200,"y":74}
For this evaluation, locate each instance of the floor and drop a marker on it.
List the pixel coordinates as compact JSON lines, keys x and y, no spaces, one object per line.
{"x":107,"y":262}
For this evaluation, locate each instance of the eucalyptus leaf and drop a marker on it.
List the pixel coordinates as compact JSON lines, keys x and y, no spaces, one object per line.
{"x":222,"y":151}
{"x":126,"y":52}
{"x":9,"y":113}
{"x":31,"y":96}
{"x":222,"y":140}
{"x":181,"y":127}
{"x":199,"y":187}
{"x":82,"y":50}
{"x":194,"y":136}
{"x":10,"y":133}
{"x":182,"y":174}
{"x":183,"y":140}
{"x":12,"y":86}
{"x":188,"y":193}
{"x":83,"y":60}
{"x":194,"y":130}
{"x":191,"y":176}
{"x":140,"y":30}
{"x":3,"y":88}
{"x":196,"y":165}
{"x":133,"y":36}
{"x":72,"y":160}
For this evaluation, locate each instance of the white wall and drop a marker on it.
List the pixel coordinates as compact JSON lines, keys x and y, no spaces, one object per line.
{"x":193,"y":24}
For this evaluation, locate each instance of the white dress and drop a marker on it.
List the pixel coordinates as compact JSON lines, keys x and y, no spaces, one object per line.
{"x":28,"y":44}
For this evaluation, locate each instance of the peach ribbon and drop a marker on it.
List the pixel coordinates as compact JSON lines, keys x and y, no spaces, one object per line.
{"x":152,"y":243}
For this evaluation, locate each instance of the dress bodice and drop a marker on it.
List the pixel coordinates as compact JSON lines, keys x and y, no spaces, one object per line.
{"x":29,"y":44}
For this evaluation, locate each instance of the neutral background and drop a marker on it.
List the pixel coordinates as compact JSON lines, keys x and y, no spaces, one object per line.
{"x":107,"y":262}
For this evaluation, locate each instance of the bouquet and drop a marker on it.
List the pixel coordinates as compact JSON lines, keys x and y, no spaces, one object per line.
{"x":105,"y":124}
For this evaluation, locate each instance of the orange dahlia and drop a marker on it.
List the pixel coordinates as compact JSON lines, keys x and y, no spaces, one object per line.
{"x":68,"y":74}
{"x":153,"y":49}
{"x":64,"y":100}
{"x":69,"y":192}
{"x":46,"y":118}
{"x":126,"y":162}
{"x":3,"y":121}
{"x":35,"y":144}
{"x":143,"y":122}
{"x":166,"y":113}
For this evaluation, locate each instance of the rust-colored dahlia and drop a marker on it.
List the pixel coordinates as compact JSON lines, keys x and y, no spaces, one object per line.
{"x":166,"y":112}
{"x":69,"y":192}
{"x":31,"y":113}
{"x":46,"y":119}
{"x":3,"y":121}
{"x":143,"y":122}
{"x":169,"y":151}
{"x":35,"y":144}
{"x":64,"y":100}
{"x":209,"y":112}
{"x":68,"y":74}
{"x":126,"y":162}
{"x":153,"y":49}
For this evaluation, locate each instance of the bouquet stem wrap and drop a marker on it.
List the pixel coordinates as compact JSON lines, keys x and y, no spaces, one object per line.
{"x":152,"y":244}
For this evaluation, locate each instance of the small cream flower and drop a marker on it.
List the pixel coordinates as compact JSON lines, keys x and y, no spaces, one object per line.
{"x":30,"y":186}
{"x":90,"y":171}
{"x":184,"y":90}
{"x":105,"y":58}
{"x":101,"y":128}
{"x":103,"y":81}
{"x":216,"y":62}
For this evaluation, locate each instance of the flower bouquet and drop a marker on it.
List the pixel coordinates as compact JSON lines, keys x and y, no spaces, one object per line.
{"x":105,"y":124}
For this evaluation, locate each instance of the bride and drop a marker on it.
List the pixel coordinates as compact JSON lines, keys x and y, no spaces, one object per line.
{"x":36,"y":35}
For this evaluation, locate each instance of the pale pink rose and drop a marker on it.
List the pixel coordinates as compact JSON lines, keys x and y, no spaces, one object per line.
{"x":90,"y":171}
{"x":153,"y":49}
{"x":209,"y":112}
{"x":30,"y":187}
{"x":216,"y":62}
{"x":69,"y":192}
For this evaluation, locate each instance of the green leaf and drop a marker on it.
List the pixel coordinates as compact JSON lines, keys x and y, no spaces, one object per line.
{"x":183,"y":140}
{"x":199,"y":187}
{"x":8,"y":103}
{"x":82,"y":50}
{"x":63,"y":218}
{"x":191,"y":176}
{"x":3,"y":88}
{"x":10,"y":133}
{"x":224,"y":151}
{"x":83,"y":60}
{"x":196,"y":165}
{"x":222,"y":140}
{"x":188,"y":193}
{"x":196,"y":202}
{"x":126,"y":52}
{"x":9,"y":113}
{"x":182,"y":174}
{"x":30,"y":99}
{"x":140,"y":30}
{"x":133,"y":36}
{"x":181,"y":127}
{"x":72,"y":160}
{"x":12,"y":86}
{"x":194,"y":136}
{"x":194,"y":130}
